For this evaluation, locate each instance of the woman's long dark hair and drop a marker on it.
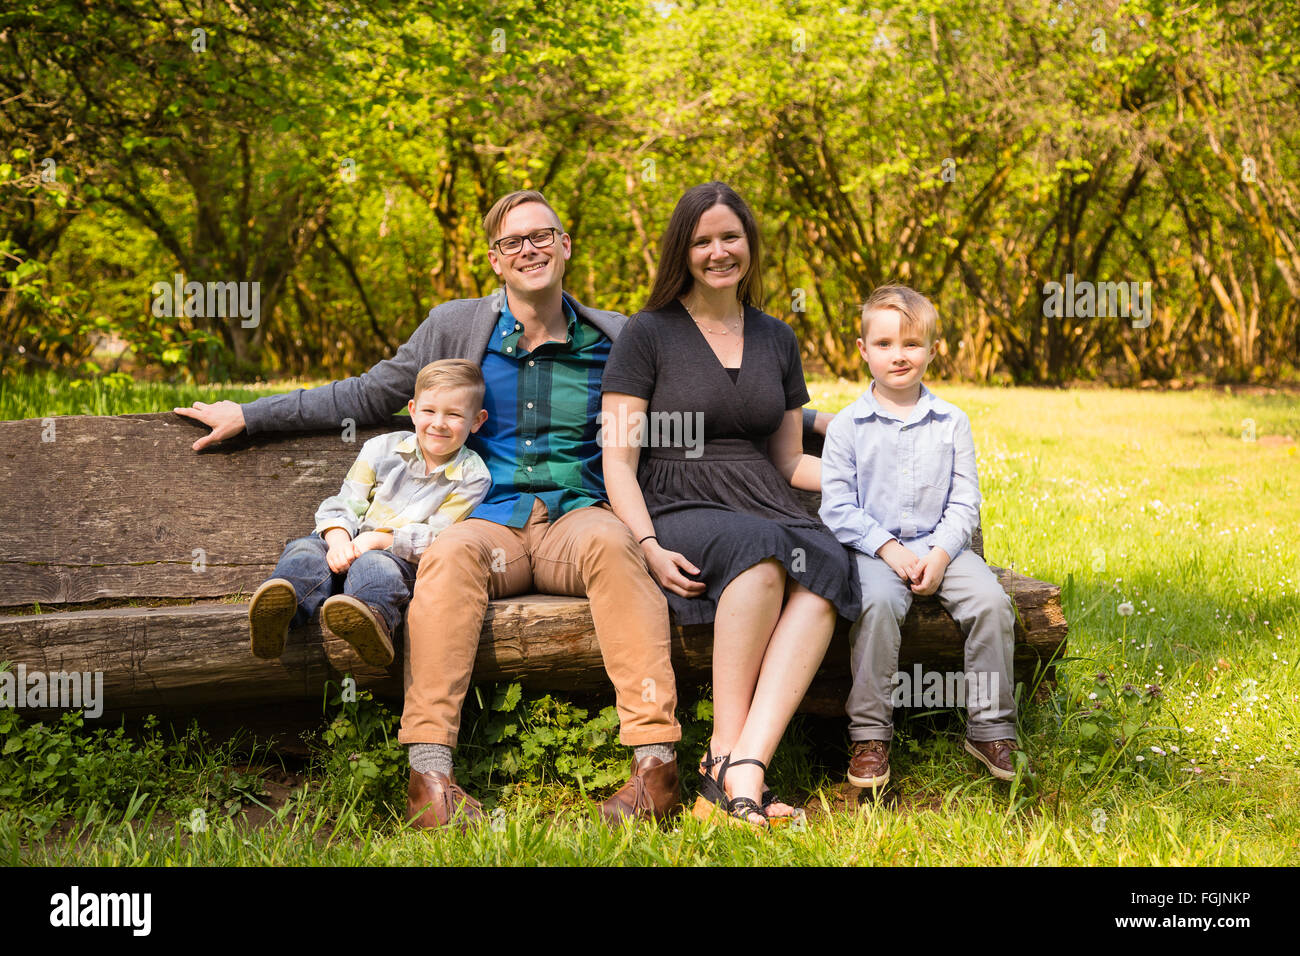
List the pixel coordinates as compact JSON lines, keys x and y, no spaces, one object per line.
{"x":673,"y":277}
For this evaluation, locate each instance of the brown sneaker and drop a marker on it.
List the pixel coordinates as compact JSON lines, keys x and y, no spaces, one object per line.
{"x":435,"y":799}
{"x":272,"y":607}
{"x":651,"y":793}
{"x":997,"y":756}
{"x":869,"y":763}
{"x":361,"y":626}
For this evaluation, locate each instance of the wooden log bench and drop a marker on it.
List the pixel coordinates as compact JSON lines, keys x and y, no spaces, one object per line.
{"x":127,"y":553}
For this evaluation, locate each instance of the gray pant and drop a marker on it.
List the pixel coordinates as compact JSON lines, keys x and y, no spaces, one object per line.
{"x":971,"y":594}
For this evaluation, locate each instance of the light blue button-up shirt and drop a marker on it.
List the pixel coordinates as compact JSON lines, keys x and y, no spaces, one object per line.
{"x":908,"y":479}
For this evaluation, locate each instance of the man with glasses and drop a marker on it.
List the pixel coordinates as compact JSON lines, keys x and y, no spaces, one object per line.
{"x":545,"y":526}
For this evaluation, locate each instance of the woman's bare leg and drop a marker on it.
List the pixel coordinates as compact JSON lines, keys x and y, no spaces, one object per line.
{"x":747,"y":614}
{"x":794,"y":652}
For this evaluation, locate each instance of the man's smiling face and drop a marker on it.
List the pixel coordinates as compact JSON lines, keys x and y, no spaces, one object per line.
{"x":531,"y":270}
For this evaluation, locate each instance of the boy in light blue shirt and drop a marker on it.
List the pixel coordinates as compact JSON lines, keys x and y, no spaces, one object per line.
{"x":899,"y":487}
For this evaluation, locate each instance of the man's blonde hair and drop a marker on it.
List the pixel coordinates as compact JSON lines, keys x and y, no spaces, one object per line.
{"x":916,"y":310}
{"x":452,"y":373}
{"x":492,"y":221}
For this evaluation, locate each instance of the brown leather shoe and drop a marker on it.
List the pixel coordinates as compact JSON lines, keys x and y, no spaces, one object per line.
{"x":869,"y":763}
{"x":997,"y":756}
{"x":435,"y":799}
{"x":652,"y":792}
{"x":361,"y":626}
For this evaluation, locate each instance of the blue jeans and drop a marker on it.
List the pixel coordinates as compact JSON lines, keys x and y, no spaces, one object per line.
{"x":379,"y":578}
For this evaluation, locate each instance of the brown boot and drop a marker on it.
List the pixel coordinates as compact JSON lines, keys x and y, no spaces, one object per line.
{"x":869,"y":763}
{"x":996,"y":755}
{"x":435,"y":799}
{"x":360,"y":625}
{"x":652,"y":792}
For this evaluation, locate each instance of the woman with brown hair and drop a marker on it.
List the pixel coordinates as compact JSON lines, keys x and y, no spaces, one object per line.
{"x":720,"y":528}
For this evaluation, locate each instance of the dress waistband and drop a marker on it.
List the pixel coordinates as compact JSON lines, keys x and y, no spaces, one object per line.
{"x":718,"y":449}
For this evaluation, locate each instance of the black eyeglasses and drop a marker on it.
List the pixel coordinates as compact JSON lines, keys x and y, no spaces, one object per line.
{"x":509,"y":245}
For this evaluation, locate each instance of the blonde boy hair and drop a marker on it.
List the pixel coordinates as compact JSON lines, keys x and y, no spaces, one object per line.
{"x":916,"y":311}
{"x":452,"y":373}
{"x":492,"y":221}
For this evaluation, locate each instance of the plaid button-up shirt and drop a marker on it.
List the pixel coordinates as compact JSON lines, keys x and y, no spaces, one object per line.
{"x":539,"y":441}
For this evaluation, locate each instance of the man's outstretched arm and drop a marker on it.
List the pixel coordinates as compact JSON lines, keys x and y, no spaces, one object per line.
{"x":366,"y":399}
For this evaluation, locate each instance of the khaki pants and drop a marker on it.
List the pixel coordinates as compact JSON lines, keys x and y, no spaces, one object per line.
{"x":588,"y":552}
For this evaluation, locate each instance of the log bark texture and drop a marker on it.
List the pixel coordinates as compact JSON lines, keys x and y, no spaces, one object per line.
{"x":116,"y":510}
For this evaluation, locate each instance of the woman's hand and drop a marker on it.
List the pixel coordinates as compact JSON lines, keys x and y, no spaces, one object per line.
{"x":667,"y":567}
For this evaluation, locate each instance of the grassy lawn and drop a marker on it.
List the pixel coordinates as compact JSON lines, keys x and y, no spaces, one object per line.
{"x":1148,"y":500}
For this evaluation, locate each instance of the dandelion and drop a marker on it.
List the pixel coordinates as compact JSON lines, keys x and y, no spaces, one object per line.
{"x":1125,"y":609}
{"x":1140,"y":757}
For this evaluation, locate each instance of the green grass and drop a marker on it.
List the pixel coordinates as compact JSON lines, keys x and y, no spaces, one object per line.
{"x":1147,"y":498}
{"x":35,"y":396}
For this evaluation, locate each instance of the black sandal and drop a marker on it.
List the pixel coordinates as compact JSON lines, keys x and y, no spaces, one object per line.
{"x":712,"y":792}
{"x":713,"y":796}
{"x":770,"y":798}
{"x":709,"y":787}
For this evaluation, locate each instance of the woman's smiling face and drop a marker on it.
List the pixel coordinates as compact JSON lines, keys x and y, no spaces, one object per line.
{"x":719,"y":252}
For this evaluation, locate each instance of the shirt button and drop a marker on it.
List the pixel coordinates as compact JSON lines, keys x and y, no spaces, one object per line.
{"x":528,"y":441}
{"x":531,"y":363}
{"x":530,"y":404}
{"x":530,"y":467}
{"x":509,"y":349}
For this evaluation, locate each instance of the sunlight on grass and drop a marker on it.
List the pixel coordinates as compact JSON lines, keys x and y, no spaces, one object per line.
{"x":1179,"y":506}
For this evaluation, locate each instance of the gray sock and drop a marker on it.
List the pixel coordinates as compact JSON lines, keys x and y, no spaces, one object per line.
{"x":663,"y":751}
{"x":430,"y":758}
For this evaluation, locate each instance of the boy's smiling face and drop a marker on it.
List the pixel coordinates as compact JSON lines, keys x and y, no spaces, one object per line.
{"x":897,"y":358}
{"x":443,"y":418}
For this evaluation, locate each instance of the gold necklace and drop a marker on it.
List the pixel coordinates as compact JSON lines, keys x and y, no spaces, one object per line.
{"x":725,"y":330}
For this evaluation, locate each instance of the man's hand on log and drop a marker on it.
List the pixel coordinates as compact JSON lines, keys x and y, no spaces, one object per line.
{"x":226,"y":419}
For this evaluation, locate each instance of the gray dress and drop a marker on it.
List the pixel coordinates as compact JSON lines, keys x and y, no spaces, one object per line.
{"x":728,"y":508}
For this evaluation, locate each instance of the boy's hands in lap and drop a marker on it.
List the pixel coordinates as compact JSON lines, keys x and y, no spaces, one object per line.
{"x":342,"y":550}
{"x":903,"y":560}
{"x":372,"y":541}
{"x":929,"y":571}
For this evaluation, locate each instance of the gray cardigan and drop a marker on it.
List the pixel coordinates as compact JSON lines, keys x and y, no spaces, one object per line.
{"x":457,"y":329}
